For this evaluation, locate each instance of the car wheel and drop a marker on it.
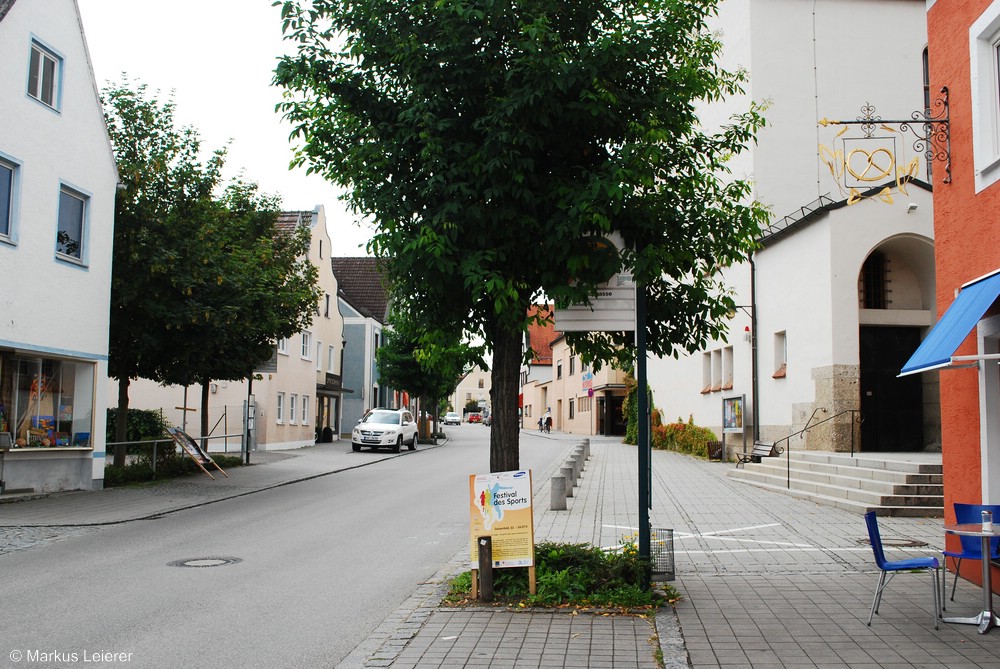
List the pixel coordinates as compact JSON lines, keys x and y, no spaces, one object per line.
{"x":398,"y":444}
{"x":413,"y":443}
{"x":356,"y":447}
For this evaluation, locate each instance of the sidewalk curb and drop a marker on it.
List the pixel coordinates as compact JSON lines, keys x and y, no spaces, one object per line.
{"x":159,"y":514}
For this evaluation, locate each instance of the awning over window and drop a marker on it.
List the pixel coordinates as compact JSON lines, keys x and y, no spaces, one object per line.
{"x":956,"y":324}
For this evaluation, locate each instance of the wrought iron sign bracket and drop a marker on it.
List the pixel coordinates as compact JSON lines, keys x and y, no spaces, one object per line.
{"x":930,"y":127}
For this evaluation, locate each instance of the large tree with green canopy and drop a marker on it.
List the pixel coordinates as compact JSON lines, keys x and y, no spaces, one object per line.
{"x":493,"y":143}
{"x":202,"y":282}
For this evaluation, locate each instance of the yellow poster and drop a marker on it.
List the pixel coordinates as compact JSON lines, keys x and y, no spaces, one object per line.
{"x":500,"y":508}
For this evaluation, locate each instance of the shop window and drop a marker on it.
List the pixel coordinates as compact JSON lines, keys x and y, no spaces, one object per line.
{"x":44,"y":72}
{"x":72,"y":224}
{"x":46,"y":403}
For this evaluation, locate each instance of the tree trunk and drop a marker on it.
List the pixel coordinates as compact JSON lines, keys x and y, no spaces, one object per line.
{"x":204,"y":413}
{"x":121,"y":422}
{"x":505,"y":433}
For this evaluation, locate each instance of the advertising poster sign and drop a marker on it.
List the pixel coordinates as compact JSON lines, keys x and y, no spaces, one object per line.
{"x":732,"y":414}
{"x":500,"y":507}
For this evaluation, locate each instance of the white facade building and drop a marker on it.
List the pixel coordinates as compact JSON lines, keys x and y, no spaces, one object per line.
{"x":57,"y":198}
{"x":843,"y":285}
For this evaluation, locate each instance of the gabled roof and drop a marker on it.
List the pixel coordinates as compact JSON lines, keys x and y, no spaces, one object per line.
{"x":5,"y":6}
{"x":360,"y":283}
{"x":540,"y":337}
{"x":289,"y":220}
{"x":817,"y":209}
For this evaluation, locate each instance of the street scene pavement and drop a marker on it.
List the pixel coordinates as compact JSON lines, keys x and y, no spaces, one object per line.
{"x":765,"y":580}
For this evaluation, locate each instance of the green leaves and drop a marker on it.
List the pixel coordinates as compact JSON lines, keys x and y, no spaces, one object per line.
{"x":486,"y":138}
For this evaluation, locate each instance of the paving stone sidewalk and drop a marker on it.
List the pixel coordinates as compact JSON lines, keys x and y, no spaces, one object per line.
{"x":766,"y":580}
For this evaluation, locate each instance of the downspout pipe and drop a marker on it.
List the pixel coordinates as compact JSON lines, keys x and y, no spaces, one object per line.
{"x":754,"y":381}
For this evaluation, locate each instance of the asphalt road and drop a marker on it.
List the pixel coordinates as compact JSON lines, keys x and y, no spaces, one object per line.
{"x":316,"y":567}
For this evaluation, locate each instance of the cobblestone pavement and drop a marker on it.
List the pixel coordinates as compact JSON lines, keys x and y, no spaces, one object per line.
{"x":21,"y":538}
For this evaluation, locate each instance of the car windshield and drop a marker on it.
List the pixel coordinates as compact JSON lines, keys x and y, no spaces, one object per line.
{"x":382,"y":418}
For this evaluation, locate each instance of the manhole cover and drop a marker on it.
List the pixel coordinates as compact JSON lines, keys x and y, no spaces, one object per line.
{"x":896,"y":543}
{"x":204,"y":562}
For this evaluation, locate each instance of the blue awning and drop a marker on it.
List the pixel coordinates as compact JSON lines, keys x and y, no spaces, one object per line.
{"x":951,"y":330}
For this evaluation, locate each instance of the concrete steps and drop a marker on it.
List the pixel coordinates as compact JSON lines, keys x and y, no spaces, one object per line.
{"x":891,"y":486}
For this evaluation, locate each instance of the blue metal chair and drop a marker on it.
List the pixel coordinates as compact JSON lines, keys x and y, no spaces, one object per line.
{"x":889,"y":568}
{"x":972,"y":547}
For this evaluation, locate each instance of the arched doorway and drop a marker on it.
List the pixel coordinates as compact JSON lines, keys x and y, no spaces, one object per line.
{"x":896,"y":307}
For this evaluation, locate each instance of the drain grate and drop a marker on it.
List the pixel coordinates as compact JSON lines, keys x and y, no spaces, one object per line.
{"x":202,"y":562}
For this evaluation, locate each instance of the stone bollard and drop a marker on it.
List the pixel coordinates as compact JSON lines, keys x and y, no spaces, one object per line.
{"x":575,"y":466}
{"x":567,"y":474}
{"x":586,"y":448}
{"x":558,"y":495}
{"x":580,"y":459}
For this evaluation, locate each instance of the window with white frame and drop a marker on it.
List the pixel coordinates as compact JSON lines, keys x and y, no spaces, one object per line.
{"x":292,"y":407}
{"x":572,"y":365}
{"x":559,"y":369}
{"x":44,"y":72}
{"x":8,"y":180}
{"x":305,"y":409}
{"x":330,"y":357}
{"x":72,"y":224}
{"x":319,"y":356}
{"x":984,"y":61}
{"x":279,"y":409}
{"x":306,"y":349}
{"x":283,"y":345}
{"x":326,"y":309}
{"x":572,"y":408}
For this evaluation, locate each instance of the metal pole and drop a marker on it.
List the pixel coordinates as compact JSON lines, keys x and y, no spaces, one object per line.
{"x":645,"y":470}
{"x":250,"y":419}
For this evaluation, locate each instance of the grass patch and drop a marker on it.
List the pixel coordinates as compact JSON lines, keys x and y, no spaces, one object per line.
{"x":577,"y":575}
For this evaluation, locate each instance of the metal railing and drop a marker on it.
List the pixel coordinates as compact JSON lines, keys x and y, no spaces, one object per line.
{"x":855,"y":418}
{"x":153,"y":443}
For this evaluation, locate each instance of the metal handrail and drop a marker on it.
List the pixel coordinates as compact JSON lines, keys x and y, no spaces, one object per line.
{"x":788,"y":443}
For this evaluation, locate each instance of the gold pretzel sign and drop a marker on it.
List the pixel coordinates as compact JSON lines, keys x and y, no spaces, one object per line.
{"x":876,"y":165}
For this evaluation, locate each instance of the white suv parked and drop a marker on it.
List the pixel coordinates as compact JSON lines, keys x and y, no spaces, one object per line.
{"x":385,"y":428}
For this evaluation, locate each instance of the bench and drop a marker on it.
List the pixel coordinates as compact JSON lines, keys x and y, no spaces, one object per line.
{"x":761,"y":449}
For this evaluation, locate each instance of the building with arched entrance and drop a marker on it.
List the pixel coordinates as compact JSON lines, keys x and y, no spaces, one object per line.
{"x":841,"y":289}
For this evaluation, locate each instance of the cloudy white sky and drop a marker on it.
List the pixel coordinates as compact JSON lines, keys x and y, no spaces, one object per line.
{"x":217,"y":56}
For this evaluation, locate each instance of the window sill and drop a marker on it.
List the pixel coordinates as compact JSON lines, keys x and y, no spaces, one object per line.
{"x":781,"y":373}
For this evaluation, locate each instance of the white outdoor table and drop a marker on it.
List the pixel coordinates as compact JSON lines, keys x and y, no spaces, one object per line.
{"x":986,"y":618}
